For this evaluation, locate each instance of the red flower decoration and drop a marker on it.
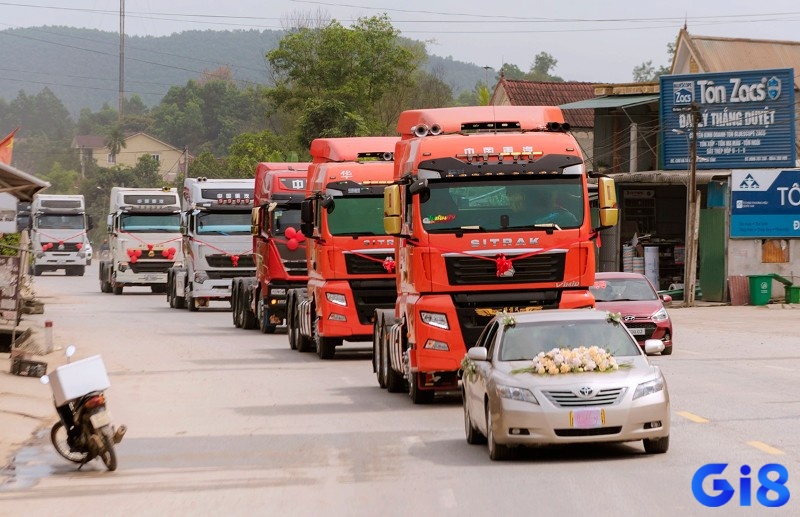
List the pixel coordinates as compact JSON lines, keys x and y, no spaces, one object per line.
{"x":235,"y":260}
{"x":388,"y":264}
{"x":503,"y":265}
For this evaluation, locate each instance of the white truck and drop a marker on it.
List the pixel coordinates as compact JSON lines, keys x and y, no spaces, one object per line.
{"x":59,"y":240}
{"x":144,"y":239}
{"x":217,"y":244}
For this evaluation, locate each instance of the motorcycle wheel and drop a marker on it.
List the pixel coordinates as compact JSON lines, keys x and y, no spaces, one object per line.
{"x":109,"y":456}
{"x":58,"y":435}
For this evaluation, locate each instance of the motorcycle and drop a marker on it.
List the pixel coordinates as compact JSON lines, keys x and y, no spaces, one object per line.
{"x":84,"y":430}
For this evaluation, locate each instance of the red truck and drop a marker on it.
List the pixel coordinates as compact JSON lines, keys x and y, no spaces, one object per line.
{"x":278,"y":247}
{"x":490,"y":212}
{"x":350,"y":259}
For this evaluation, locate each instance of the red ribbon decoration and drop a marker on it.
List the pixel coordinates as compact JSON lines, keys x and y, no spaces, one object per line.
{"x":235,"y":260}
{"x":388,"y":264}
{"x":234,"y":256}
{"x":503,"y":264}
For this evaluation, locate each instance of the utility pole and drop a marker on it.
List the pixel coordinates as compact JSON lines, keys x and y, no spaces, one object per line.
{"x":121,"y":59}
{"x":692,"y":217}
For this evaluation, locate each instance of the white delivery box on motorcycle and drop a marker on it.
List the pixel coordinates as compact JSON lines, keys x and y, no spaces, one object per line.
{"x":78,"y":378}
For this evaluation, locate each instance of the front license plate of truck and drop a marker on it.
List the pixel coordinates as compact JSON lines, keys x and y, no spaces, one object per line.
{"x":587,"y":418}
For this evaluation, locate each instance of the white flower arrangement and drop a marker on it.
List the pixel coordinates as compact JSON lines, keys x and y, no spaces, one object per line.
{"x":571,"y":360}
{"x":468,"y":368}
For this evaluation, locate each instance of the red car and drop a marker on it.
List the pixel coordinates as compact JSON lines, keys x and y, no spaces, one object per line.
{"x":642,"y":309}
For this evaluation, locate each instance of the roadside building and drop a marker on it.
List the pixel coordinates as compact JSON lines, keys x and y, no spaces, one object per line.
{"x":94,"y":147}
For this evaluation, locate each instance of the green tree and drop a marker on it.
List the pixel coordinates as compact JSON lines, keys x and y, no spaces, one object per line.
{"x":355,"y":67}
{"x":250,"y":148}
{"x":62,"y":181}
{"x":115,"y":141}
{"x":541,"y":68}
{"x":647,"y":72}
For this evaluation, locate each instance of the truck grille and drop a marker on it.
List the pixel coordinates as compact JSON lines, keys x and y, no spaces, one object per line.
{"x":238,"y":272}
{"x":474,"y":310}
{"x":361,"y":265}
{"x":545,"y":267}
{"x":295,"y":267}
{"x":69,"y":247}
{"x":219,"y":260}
{"x":372,"y":294}
{"x":566,"y":398}
{"x":150,"y":266}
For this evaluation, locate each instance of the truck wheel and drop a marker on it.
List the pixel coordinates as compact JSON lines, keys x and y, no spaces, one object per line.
{"x":191,"y":304}
{"x":117,"y":289}
{"x":179,"y":302}
{"x":235,"y":296}
{"x":326,"y":346}
{"x":377,"y":365}
{"x":248,"y":318}
{"x":37,"y":270}
{"x":419,"y":396}
{"x":105,"y":287}
{"x":80,"y":270}
{"x":291,"y":332}
{"x":263,"y":318}
{"x":395,"y":383}
{"x":158,"y":289}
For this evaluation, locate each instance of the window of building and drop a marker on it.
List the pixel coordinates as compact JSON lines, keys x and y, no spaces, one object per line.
{"x":156,"y":157}
{"x":110,"y":158}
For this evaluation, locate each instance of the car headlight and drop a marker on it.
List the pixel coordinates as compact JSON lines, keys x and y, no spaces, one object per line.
{"x":435,"y":319}
{"x":515,"y":393}
{"x":338,"y":299}
{"x":660,"y":315}
{"x":649,"y":387}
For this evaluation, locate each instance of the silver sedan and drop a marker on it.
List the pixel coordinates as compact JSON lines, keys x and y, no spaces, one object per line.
{"x":562,"y":376}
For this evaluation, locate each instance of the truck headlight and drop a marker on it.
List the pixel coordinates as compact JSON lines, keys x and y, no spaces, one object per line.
{"x":200,"y":276}
{"x":435,"y":319}
{"x":338,"y":299}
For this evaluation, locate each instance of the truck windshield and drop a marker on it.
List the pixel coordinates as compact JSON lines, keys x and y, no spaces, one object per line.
{"x":159,"y":223}
{"x":223,"y":223}
{"x":61,"y":221}
{"x":547,"y":203}
{"x":357,"y":216}
{"x":283,"y":218}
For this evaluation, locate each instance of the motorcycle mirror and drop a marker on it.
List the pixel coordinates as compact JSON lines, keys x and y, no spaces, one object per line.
{"x":44,"y":379}
{"x":70,"y":351}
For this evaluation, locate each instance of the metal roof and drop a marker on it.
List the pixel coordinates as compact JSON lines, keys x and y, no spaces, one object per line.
{"x":548,"y":93}
{"x":20,"y":184}
{"x":611,"y":101}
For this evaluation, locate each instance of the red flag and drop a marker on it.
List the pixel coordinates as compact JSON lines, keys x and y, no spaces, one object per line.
{"x":7,"y":147}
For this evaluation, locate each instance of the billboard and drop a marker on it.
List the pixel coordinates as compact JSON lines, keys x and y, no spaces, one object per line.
{"x":746,"y":119}
{"x":765,"y":203}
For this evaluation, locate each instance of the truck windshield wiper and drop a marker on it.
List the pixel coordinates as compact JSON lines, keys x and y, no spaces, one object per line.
{"x":458,"y":230}
{"x":541,"y":226}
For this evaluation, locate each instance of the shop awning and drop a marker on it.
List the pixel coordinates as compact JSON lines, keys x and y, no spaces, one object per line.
{"x":20,"y":184}
{"x":611,"y":101}
{"x":669,"y":177}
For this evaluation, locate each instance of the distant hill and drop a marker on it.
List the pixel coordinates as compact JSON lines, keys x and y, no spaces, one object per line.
{"x":81,"y":66}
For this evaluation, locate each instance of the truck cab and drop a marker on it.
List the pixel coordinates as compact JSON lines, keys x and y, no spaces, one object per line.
{"x":215,"y":224}
{"x":59,"y":227}
{"x":144,"y":239}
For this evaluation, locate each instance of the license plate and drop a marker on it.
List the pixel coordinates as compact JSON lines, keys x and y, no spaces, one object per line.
{"x":637,"y":332}
{"x":100,"y":419}
{"x":587,"y":418}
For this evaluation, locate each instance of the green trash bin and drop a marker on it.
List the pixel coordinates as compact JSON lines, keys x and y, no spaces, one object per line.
{"x":793,"y":294}
{"x":760,"y":289}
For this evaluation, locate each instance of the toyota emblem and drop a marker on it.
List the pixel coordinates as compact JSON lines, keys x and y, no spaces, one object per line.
{"x":585,"y":392}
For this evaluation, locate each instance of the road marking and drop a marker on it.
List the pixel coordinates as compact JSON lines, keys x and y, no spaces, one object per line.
{"x":766,"y":448}
{"x":694,"y":418}
{"x":783,"y":368}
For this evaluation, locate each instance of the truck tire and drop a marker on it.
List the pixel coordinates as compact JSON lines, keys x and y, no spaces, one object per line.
{"x":235,"y":296}
{"x":419,"y":396}
{"x":263,"y":318}
{"x":395,"y":383}
{"x":377,"y":329}
{"x":178,"y":302}
{"x":326,"y":346}
{"x":80,"y":270}
{"x":191,"y":304}
{"x":291,"y":331}
{"x":249,"y":321}
{"x":117,"y":289}
{"x":37,"y":270}
{"x":158,"y":289}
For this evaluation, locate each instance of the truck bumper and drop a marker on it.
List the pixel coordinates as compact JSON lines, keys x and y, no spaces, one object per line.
{"x":212,"y":289}
{"x":130,"y":278}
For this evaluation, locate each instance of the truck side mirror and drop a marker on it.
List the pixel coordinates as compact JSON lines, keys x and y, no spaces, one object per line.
{"x":90,"y":222}
{"x":255,"y":221}
{"x":607,"y":202}
{"x":420,"y":188}
{"x":392,"y":211}
{"x":307,"y":211}
{"x":328,"y":204}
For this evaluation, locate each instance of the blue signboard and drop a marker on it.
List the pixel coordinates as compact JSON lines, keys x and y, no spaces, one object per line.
{"x":746,"y":119}
{"x":765,"y":203}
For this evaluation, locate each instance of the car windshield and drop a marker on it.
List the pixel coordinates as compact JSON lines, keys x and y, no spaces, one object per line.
{"x":623,"y":289}
{"x":357,"y":216}
{"x":161,"y":223}
{"x":524,"y":341}
{"x":223,"y":223}
{"x":61,"y":221}
{"x":504,"y":205}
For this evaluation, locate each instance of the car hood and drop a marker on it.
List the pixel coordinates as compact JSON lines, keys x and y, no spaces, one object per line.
{"x":642,"y":308}
{"x":640,"y":370}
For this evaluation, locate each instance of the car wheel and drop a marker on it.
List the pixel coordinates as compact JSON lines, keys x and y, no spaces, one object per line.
{"x":474,"y":437}
{"x":667,"y":350}
{"x":656,"y":445}
{"x":497,"y":451}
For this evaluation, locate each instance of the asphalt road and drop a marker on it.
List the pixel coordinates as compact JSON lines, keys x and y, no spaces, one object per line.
{"x":224,"y":421}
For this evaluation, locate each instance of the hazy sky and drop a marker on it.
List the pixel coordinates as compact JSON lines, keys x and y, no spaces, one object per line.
{"x":591,"y":40}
